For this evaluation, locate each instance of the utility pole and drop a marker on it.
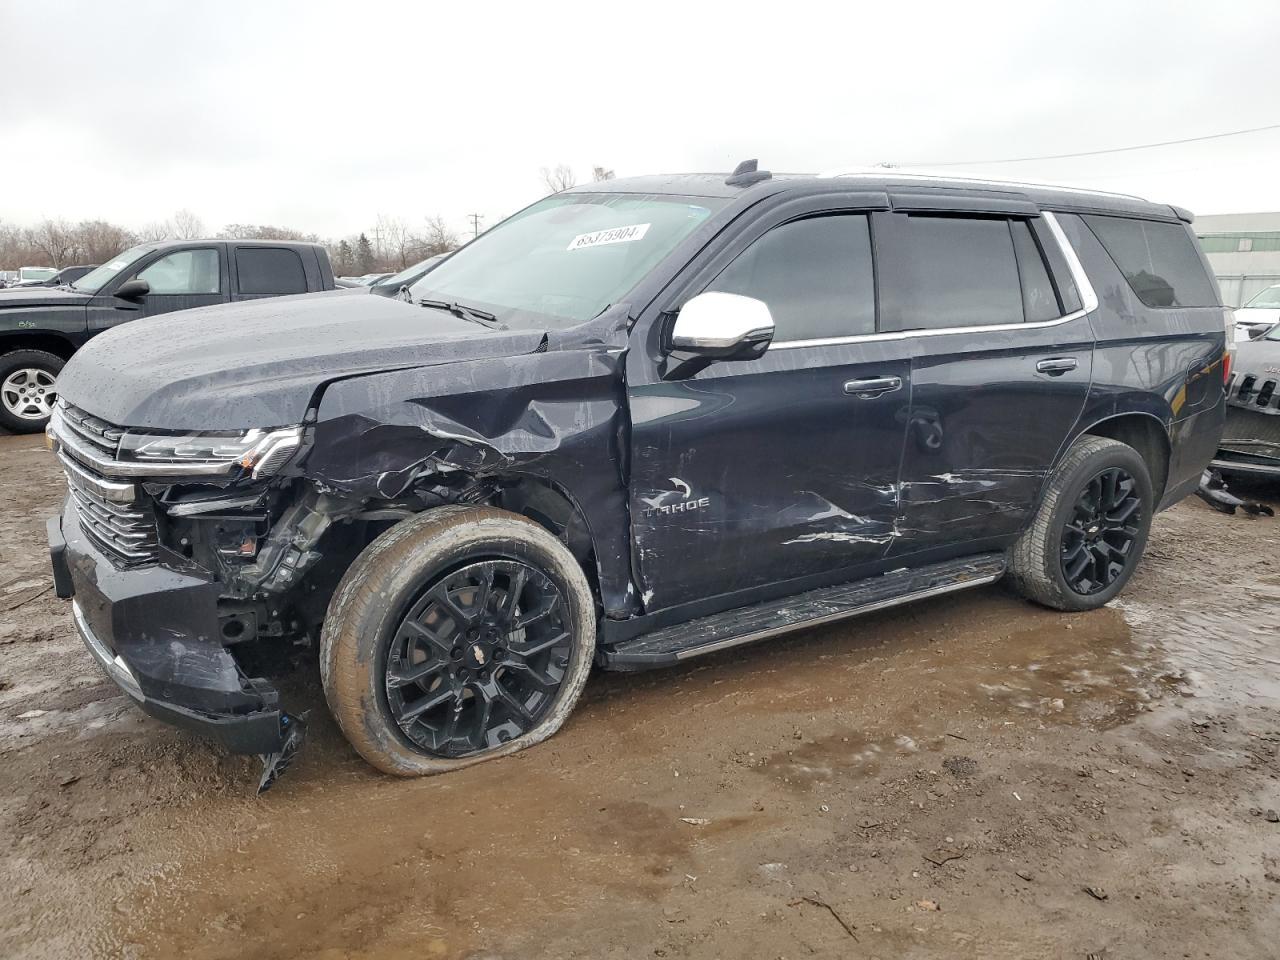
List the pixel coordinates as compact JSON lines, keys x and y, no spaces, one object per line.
{"x":475,"y":224}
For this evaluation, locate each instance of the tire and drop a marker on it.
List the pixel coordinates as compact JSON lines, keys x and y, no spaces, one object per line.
{"x":374,"y":631}
{"x":22,"y":372}
{"x":1039,"y":563}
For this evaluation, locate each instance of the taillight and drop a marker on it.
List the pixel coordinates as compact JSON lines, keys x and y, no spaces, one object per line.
{"x":1229,"y":322}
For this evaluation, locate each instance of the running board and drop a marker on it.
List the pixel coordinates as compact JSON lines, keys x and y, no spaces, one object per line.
{"x":813,"y":608}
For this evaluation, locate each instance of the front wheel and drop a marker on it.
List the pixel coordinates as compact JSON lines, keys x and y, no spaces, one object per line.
{"x":1090,"y":530}
{"x":28,"y":389}
{"x":460,"y":635}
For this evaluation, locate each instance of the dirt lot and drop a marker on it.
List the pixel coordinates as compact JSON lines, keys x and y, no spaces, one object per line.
{"x":948,"y":780}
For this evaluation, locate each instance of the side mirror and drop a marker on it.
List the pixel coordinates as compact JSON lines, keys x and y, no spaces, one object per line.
{"x":134,"y":289}
{"x":723,"y":326}
{"x":717,"y":326}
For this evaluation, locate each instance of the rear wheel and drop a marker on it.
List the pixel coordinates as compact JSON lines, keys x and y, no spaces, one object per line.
{"x":28,"y":389}
{"x":460,"y":635}
{"x":1090,"y":530}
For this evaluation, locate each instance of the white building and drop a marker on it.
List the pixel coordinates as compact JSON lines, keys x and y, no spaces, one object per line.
{"x":1244,"y":251}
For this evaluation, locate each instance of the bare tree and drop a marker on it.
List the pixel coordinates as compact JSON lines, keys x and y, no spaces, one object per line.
{"x":99,"y":240}
{"x":601,"y":173}
{"x":187,"y":226}
{"x":559,"y":179}
{"x":394,"y":247}
{"x":155,"y":231}
{"x":256,"y":231}
{"x":56,"y":241}
{"x":437,"y":238}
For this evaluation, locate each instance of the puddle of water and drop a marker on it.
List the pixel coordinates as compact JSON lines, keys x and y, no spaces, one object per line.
{"x":343,"y":862}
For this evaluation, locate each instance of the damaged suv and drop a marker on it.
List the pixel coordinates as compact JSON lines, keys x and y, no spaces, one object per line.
{"x":637,"y":422}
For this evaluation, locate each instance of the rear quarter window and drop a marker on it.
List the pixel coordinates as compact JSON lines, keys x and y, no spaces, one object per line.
{"x":272,"y":270}
{"x":1159,"y":260}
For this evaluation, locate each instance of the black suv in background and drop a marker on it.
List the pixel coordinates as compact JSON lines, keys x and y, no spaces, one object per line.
{"x":40,"y":328}
{"x":638,"y":422}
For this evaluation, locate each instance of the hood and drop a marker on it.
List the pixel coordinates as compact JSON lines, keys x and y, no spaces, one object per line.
{"x":28,"y":297}
{"x":1257,"y":314}
{"x":260,"y":363}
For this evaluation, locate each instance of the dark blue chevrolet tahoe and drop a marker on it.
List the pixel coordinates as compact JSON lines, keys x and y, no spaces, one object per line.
{"x":637,"y":422}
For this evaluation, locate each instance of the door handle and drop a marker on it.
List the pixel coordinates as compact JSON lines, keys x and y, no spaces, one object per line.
{"x":872,"y":386}
{"x":1057,"y":366}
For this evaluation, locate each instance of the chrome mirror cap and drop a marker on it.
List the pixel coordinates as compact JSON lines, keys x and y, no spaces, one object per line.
{"x":722,"y":325}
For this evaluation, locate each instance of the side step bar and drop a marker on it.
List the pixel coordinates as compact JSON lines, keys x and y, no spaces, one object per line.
{"x":671,"y":645}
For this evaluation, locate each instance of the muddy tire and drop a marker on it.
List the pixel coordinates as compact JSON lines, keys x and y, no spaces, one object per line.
{"x":27,"y":389}
{"x":460,"y":635}
{"x":1090,"y":529}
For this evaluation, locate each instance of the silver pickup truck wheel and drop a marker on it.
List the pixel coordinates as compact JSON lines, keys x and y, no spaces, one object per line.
{"x":28,"y":389}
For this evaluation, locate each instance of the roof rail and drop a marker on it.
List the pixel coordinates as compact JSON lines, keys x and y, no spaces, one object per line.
{"x":897,"y":173}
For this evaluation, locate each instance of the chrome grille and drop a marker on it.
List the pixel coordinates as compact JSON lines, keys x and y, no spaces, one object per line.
{"x":101,"y":435}
{"x":115,"y":515}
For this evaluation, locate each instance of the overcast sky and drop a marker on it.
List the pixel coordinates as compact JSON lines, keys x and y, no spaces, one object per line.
{"x":323,"y":116}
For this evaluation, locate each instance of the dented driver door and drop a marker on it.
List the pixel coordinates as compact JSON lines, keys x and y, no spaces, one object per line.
{"x":752,"y":474}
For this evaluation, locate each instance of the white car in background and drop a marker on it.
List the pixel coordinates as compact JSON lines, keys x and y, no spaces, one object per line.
{"x":1258,"y":315}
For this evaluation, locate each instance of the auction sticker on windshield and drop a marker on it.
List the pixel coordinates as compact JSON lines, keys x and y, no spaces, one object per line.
{"x":613,"y":235}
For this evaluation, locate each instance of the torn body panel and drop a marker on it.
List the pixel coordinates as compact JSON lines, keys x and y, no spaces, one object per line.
{"x":156,"y":633}
{"x":433,"y":433}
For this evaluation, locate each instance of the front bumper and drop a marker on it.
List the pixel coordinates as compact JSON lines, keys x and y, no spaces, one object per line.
{"x":154,"y":631}
{"x":1229,"y":462}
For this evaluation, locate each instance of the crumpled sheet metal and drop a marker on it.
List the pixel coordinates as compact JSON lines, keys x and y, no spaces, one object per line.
{"x":556,"y":416}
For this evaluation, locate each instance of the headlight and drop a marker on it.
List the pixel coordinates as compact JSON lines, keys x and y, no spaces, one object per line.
{"x":263,"y":452}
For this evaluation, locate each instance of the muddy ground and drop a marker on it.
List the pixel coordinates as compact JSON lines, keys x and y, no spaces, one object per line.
{"x":948,"y":780}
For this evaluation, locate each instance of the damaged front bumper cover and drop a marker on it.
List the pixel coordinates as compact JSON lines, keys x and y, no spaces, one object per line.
{"x":154,"y":632}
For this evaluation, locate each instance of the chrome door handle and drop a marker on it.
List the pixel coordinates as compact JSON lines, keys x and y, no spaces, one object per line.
{"x":1057,"y":365}
{"x":872,"y":386}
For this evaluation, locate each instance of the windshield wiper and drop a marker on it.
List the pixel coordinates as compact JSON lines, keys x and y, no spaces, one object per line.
{"x":464,"y":312}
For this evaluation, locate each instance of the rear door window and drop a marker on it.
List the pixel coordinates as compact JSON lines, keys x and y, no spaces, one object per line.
{"x":1039,"y":299}
{"x":1159,"y":260}
{"x":270,"y":270}
{"x":815,"y":275}
{"x":951,"y":271}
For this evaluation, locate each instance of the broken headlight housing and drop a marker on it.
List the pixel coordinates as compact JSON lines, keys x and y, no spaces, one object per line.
{"x":263,"y":452}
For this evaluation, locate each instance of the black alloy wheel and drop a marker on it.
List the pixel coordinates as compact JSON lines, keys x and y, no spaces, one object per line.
{"x":478,"y":658}
{"x":1099,"y":537}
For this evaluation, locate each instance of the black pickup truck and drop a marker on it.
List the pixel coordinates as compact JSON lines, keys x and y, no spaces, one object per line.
{"x":41,"y":327}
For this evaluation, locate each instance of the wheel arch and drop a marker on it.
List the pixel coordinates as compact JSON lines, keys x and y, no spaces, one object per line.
{"x":553,"y":508}
{"x":48,"y":342}
{"x":1147,"y":435}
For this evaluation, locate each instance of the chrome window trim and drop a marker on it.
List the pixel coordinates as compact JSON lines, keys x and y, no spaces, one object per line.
{"x":1088,"y":300}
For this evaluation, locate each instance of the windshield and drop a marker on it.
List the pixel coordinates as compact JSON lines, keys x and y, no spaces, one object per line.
{"x":565,"y":259}
{"x":98,"y":277}
{"x":409,"y":272}
{"x":1267,"y":299}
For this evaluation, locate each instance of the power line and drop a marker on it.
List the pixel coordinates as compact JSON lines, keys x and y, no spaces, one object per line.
{"x":475,"y":223}
{"x":1098,"y":153}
